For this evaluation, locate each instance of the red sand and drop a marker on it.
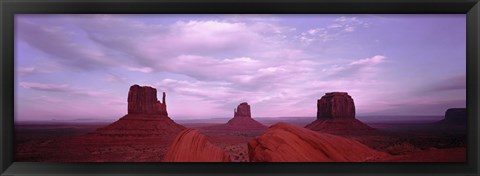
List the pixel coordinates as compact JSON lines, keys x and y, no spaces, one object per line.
{"x":71,"y":143}
{"x":338,"y":126}
{"x":141,"y":125}
{"x":432,"y":155}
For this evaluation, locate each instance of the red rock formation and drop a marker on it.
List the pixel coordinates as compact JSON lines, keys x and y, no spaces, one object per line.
{"x":242,"y":120}
{"x":335,"y":105}
{"x":141,"y":125}
{"x":242,"y":110}
{"x":455,"y":116}
{"x":244,"y":124}
{"x":336,"y":114}
{"x":192,"y":146}
{"x":283,"y":142}
{"x":341,"y":126}
{"x":143,"y":100}
{"x":146,"y":116}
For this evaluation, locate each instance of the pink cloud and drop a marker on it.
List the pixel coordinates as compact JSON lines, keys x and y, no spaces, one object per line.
{"x":25,"y":70}
{"x":140,"y":69}
{"x":262,"y":68}
{"x":332,"y":31}
{"x":61,"y":45}
{"x":115,"y":78}
{"x":63,"y":88}
{"x":212,"y":63}
{"x":45,"y":87}
{"x":68,"y":103}
{"x":377,"y":59}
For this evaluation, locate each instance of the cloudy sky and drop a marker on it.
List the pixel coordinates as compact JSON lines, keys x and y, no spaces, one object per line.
{"x":74,"y":67}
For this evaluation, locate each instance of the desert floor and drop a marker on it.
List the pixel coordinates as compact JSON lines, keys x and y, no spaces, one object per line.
{"x":69,"y":142}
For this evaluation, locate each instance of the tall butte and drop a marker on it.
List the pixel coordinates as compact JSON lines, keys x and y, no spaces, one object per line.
{"x":455,"y":116}
{"x":336,"y":114}
{"x":147,"y":116}
{"x":242,"y":120}
{"x":143,"y":100}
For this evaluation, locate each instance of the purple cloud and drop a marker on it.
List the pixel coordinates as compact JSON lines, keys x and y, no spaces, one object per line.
{"x":59,"y":42}
{"x":25,"y":70}
{"x":452,"y":83}
{"x":45,"y":87}
{"x":360,"y":69}
{"x":370,"y":61}
{"x":280,"y":64}
{"x":64,"y":88}
{"x":420,"y":107}
{"x":332,"y":31}
{"x":115,"y":78}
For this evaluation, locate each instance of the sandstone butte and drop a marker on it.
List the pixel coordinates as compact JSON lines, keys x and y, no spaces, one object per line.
{"x":143,"y":100}
{"x":192,"y":146}
{"x":147,"y":116}
{"x":336,"y":114}
{"x":283,"y":142}
{"x":242,"y":119}
{"x":455,"y":116}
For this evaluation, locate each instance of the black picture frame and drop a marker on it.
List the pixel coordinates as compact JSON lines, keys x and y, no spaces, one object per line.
{"x":9,"y":8}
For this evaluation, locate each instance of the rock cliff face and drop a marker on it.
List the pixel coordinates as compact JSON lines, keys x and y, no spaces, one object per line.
{"x":336,"y":114}
{"x":141,"y":125}
{"x":283,"y":142}
{"x":242,"y":119}
{"x":146,"y":116}
{"x":335,"y":105}
{"x":455,"y":116}
{"x":192,"y":146}
{"x":341,"y":126}
{"x":242,"y":110}
{"x":143,"y":100}
{"x":456,"y":113}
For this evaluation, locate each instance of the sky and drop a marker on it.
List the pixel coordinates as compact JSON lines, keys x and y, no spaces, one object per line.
{"x":80,"y":67}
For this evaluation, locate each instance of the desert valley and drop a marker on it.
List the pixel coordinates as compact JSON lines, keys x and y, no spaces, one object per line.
{"x":148,"y":134}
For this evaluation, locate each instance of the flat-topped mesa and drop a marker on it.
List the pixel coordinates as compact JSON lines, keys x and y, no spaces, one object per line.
{"x":454,"y":113}
{"x":242,"y":120}
{"x":455,"y":116}
{"x":242,"y":110}
{"x":143,"y":100}
{"x":335,"y":105}
{"x":336,"y":115}
{"x":146,"y":117}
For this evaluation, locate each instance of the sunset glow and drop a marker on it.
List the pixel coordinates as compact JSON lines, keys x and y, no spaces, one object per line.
{"x":80,"y":67}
